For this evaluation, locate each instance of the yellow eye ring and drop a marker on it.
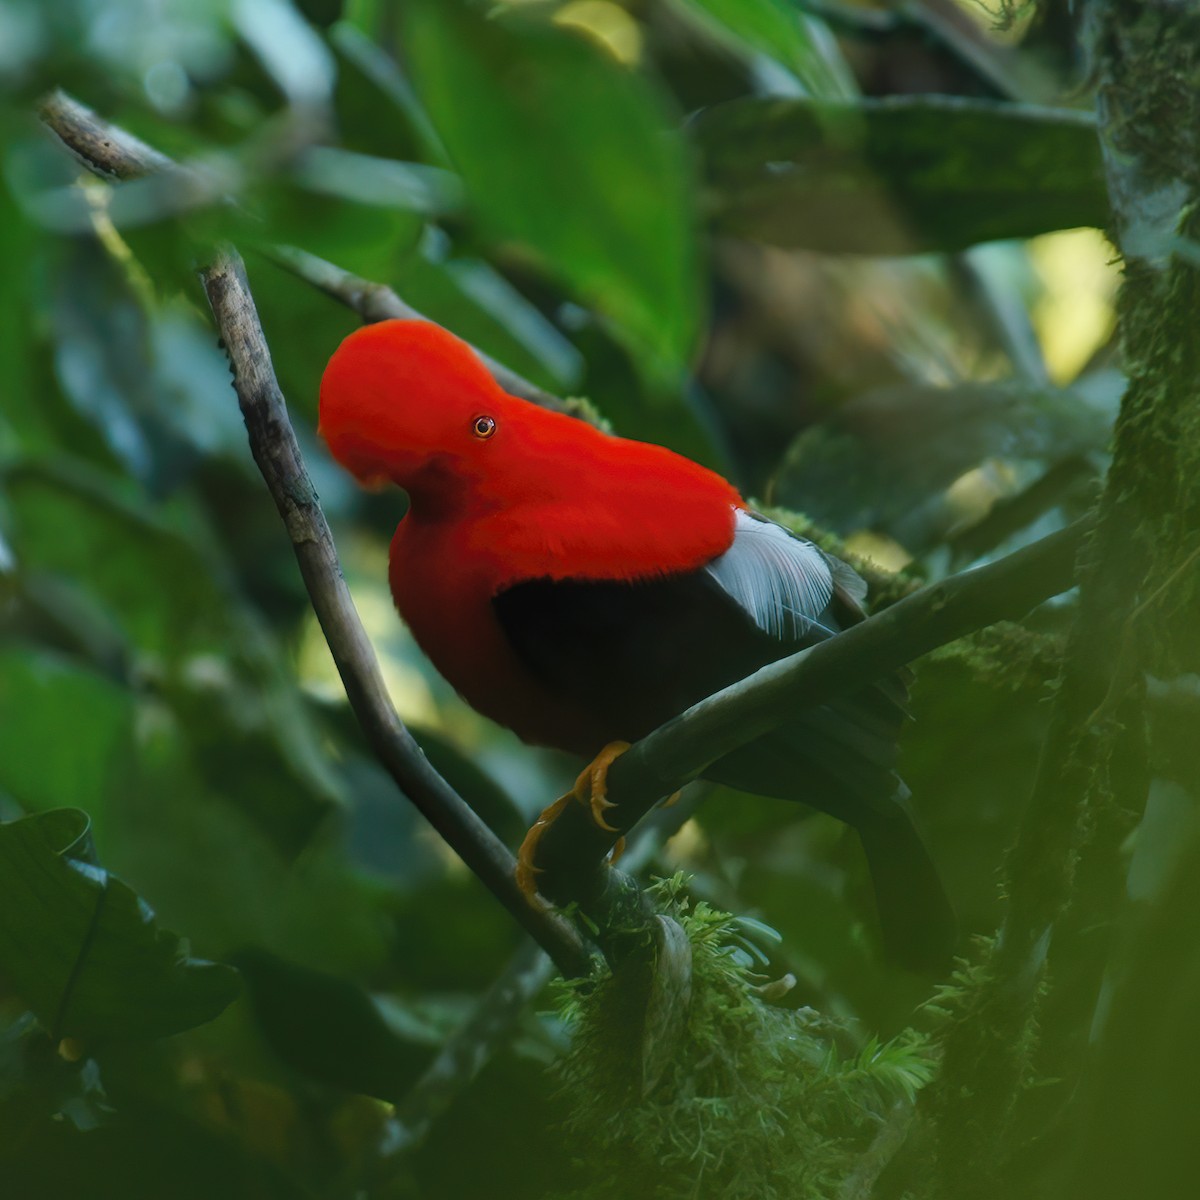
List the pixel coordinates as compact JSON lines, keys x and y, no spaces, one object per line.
{"x":483,"y":427}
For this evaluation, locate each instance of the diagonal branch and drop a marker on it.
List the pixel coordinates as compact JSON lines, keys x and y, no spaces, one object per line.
{"x":273,"y":443}
{"x":677,"y":752}
{"x":278,"y":456}
{"x":378,"y":302}
{"x":105,"y":149}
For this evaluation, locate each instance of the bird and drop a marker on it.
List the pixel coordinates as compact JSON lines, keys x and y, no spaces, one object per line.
{"x":581,"y":589}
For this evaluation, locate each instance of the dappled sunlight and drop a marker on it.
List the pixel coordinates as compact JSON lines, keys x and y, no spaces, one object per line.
{"x":1079,"y":273}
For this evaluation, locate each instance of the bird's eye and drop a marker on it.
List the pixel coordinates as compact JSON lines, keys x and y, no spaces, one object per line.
{"x":483,"y":427}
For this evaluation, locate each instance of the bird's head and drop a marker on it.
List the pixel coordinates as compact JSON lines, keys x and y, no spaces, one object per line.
{"x":408,"y":403}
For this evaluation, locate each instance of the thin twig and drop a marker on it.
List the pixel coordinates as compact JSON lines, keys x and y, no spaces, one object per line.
{"x":113,"y":153}
{"x":378,"y":302}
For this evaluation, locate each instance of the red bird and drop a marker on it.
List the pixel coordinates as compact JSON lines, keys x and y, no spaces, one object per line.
{"x":581,"y":589}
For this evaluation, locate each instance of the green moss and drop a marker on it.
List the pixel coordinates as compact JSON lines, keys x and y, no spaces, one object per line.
{"x":583,"y":408}
{"x":886,"y":587}
{"x":1005,"y":656}
{"x":754,"y":1101}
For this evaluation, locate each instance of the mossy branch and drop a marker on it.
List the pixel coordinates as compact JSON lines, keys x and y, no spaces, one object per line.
{"x":677,"y":752}
{"x":1065,"y":877}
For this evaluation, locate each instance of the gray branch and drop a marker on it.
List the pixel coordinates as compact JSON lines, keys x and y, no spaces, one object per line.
{"x":273,"y":443}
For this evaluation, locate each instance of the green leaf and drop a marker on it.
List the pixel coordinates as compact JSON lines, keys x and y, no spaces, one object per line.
{"x":94,"y":747}
{"x":290,"y":50}
{"x":166,"y":595}
{"x":150,"y":582}
{"x":82,"y":949}
{"x":329,"y":1028}
{"x":368,"y":179}
{"x":885,"y":459}
{"x":779,"y":30}
{"x":902,"y":175}
{"x":572,"y":160}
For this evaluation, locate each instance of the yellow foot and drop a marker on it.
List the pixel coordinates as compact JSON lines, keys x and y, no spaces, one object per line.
{"x":527,"y":870}
{"x":590,"y":790}
{"x":672,"y":799}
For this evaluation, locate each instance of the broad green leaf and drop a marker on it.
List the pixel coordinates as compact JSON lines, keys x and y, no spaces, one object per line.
{"x":330,"y":1029}
{"x":151,"y":581}
{"x":84,"y":722}
{"x":157,"y":587}
{"x":572,"y":160}
{"x":902,"y":175}
{"x":288,"y":47}
{"x":375,"y":75}
{"x":368,"y":179}
{"x":885,"y":459}
{"x":82,"y":949}
{"x":778,"y":29}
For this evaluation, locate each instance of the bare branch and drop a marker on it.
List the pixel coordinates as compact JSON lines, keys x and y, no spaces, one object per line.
{"x":273,"y":443}
{"x":103,"y":148}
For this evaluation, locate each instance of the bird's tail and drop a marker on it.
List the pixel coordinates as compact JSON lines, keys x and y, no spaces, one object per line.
{"x":841,"y":759}
{"x":915,"y":915}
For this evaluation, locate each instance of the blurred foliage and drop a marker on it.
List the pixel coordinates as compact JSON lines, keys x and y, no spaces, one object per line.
{"x":649,"y":202}
{"x":898,"y":175}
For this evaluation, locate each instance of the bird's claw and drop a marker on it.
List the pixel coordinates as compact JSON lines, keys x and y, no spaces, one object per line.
{"x":527,"y":870}
{"x":590,"y":790}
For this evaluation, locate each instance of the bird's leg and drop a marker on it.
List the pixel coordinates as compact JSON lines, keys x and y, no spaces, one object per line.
{"x":590,"y":790}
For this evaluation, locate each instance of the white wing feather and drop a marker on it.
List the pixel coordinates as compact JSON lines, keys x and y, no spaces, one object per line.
{"x":783,"y":582}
